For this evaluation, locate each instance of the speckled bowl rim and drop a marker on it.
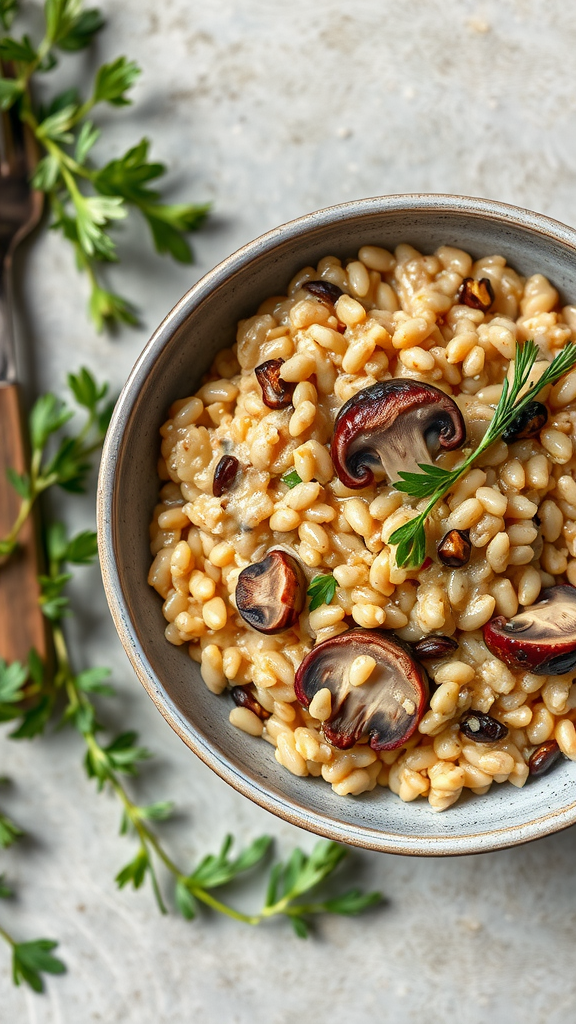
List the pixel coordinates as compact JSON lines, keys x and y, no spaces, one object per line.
{"x":247,"y":782}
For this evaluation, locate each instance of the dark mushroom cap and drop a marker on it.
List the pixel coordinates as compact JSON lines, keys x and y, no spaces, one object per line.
{"x":476,"y":294}
{"x":390,"y":426}
{"x":482,"y":728}
{"x":270,"y":594}
{"x":433,"y":646}
{"x":454,"y":549}
{"x":224,"y":475}
{"x":542,"y":638}
{"x":324,"y":290}
{"x":276,"y":393}
{"x":544,"y":757}
{"x":387,"y":707}
{"x":528,"y":423}
{"x":244,"y":698}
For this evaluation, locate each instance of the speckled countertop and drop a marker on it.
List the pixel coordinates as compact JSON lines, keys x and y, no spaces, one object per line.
{"x":272,"y":109}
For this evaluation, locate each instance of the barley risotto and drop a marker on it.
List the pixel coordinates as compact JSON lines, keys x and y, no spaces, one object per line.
{"x":420,"y":638}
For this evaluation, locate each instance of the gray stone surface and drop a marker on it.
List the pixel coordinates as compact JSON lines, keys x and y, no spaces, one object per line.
{"x":273,"y":109}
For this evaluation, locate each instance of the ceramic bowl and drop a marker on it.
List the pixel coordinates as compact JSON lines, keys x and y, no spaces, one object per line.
{"x":170,"y":367}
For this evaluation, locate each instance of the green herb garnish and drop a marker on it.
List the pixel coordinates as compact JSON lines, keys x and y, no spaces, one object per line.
{"x":85,"y":200}
{"x":30,"y":960}
{"x":291,"y":479}
{"x":68,"y":462}
{"x":435,"y":482}
{"x":36,"y":697}
{"x":321,"y":591}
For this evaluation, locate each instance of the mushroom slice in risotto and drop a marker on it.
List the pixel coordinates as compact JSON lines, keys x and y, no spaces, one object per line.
{"x":542,"y":638}
{"x":527,"y":423}
{"x":476,"y":294}
{"x":324,"y":290}
{"x":387,"y":706}
{"x":270,"y":594}
{"x":390,"y":426}
{"x":276,"y":393}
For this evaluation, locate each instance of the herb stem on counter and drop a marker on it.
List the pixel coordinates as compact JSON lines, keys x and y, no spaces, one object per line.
{"x":38,"y":697}
{"x":84,"y":199}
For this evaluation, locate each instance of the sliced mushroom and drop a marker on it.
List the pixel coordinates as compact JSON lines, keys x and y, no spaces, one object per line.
{"x":276,"y":393}
{"x":455,"y":548}
{"x":224,"y":475}
{"x":527,"y":423}
{"x":270,"y":594}
{"x":434,"y":646}
{"x":324,"y":290}
{"x":387,"y":707}
{"x":390,"y":426}
{"x":476,"y":294}
{"x":542,"y":638}
{"x":482,"y":728}
{"x":544,"y":757}
{"x":243,"y":698}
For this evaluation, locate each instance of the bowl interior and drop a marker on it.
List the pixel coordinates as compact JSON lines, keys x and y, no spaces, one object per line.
{"x":171,"y":367}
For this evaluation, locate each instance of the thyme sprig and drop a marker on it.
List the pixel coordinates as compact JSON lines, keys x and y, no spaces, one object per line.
{"x":86,"y":200}
{"x":435,"y":482}
{"x":35,"y":698}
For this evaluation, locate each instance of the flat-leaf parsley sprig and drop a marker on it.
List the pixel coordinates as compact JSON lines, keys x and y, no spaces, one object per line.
{"x":435,"y":482}
{"x":35,"y":697}
{"x":107,"y":760}
{"x":321,"y":591}
{"x":86,"y":200}
{"x":68,"y":462}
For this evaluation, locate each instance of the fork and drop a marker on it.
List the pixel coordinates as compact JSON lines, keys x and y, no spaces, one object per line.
{"x":21,"y":622}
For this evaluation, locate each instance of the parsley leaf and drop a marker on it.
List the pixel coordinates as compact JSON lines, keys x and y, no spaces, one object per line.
{"x":17,"y":49}
{"x":47,"y":416}
{"x":8,"y":10}
{"x":82,"y":31}
{"x":321,"y":591}
{"x":32,"y":959}
{"x":86,"y":200}
{"x":113,"y":81}
{"x":9,"y":832}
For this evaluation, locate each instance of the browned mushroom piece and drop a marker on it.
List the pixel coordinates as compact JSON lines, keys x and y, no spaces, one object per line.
{"x":276,"y":393}
{"x":454,"y":549}
{"x":390,"y":426}
{"x":544,"y":757}
{"x":476,"y":294}
{"x":387,"y":707}
{"x":527,"y":423}
{"x":482,"y":728}
{"x":434,"y":646}
{"x":224,"y":475}
{"x":270,"y":594}
{"x":244,"y":698}
{"x":324,"y":290}
{"x":541,"y":638}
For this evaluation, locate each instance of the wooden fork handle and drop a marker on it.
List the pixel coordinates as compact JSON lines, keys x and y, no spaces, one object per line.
{"x":22,"y":624}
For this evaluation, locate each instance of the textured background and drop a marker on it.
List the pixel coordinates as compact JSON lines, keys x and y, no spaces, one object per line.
{"x":273,"y":109}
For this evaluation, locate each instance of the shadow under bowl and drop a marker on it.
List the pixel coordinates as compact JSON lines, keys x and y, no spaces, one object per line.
{"x":171,"y":367}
